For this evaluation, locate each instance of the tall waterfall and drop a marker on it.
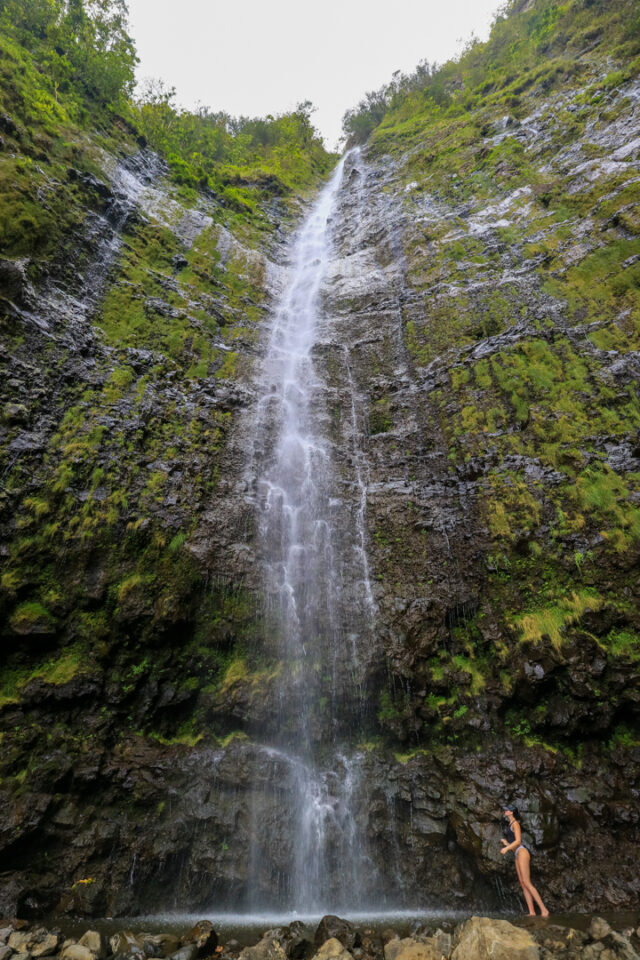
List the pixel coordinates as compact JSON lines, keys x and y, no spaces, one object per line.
{"x":319,"y":599}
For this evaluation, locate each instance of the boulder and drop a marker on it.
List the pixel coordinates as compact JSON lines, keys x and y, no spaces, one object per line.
{"x":188,"y":952}
{"x":160,"y":945}
{"x":19,"y":942}
{"x":481,"y":938}
{"x":77,"y":952}
{"x":296,"y":943}
{"x":598,"y":928}
{"x":331,"y":927}
{"x":372,"y":944}
{"x":442,"y":941}
{"x":333,"y":950}
{"x":293,"y":940}
{"x":5,"y":951}
{"x":621,"y":946}
{"x":205,"y":938}
{"x":127,"y":943}
{"x":47,"y":945}
{"x":95,"y":942}
{"x":269,"y":948}
{"x":5,"y":933}
{"x":410,"y":949}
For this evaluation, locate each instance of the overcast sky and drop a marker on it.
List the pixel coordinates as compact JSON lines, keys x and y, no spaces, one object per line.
{"x":254,"y":57}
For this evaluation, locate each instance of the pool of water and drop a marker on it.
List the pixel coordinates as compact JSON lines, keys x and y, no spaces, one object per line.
{"x":247,"y":928}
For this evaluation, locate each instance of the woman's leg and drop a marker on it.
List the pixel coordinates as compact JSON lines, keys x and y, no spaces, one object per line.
{"x":524,"y":868}
{"x":525,"y":890}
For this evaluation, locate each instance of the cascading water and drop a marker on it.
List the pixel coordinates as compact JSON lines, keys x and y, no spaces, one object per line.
{"x":319,"y":599}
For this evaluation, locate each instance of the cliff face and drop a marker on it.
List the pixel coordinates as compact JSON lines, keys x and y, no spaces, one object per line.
{"x":479,"y":354}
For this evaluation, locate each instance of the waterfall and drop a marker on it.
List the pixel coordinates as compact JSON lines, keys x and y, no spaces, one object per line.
{"x":312,"y":543}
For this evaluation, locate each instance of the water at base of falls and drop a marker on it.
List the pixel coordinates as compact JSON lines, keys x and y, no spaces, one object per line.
{"x":308,"y":851}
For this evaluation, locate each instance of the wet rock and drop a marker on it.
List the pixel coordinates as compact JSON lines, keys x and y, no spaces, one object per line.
{"x":95,"y":942}
{"x":599,"y":928}
{"x":77,"y":952}
{"x":332,"y":927}
{"x":126,"y":943}
{"x":21,"y":940}
{"x":160,"y":945}
{"x":231,"y":948}
{"x":481,"y":938}
{"x":442,"y":940}
{"x":15,"y":413}
{"x":410,"y":949}
{"x":620,"y":946}
{"x":333,"y":950}
{"x":205,"y":938}
{"x":14,"y":281}
{"x":5,"y":951}
{"x":295,"y":942}
{"x":269,"y":948}
{"x":188,"y":952}
{"x":47,"y":945}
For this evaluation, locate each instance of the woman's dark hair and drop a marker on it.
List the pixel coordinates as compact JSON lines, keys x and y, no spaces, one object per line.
{"x":514,"y":811}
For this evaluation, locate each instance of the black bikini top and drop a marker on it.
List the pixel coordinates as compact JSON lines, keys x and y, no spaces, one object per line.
{"x":509,"y":834}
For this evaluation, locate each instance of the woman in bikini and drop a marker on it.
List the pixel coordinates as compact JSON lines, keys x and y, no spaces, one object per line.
{"x":513,"y":841}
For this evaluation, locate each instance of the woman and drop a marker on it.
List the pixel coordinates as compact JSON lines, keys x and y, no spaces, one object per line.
{"x":514,"y":841}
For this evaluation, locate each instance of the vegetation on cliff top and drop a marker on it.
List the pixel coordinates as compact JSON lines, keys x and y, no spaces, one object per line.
{"x":533,"y":48}
{"x":236,"y":158}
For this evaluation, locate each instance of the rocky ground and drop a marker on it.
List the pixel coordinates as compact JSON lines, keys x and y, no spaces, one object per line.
{"x":479,"y":938}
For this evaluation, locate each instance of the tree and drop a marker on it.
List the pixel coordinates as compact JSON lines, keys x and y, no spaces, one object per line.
{"x":104,"y":54}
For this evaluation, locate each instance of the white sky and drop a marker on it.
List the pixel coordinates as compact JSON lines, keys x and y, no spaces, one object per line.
{"x":254,"y":57}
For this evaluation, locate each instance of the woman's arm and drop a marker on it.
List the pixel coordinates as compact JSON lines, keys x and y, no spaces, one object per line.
{"x":515,"y":826}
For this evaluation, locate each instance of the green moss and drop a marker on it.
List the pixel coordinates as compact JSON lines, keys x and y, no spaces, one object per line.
{"x":56,"y":671}
{"x":475,"y":669}
{"x":407,"y":757}
{"x":228,"y":369}
{"x":624,"y":644}
{"x":233,"y":737}
{"x":185,"y":737}
{"x":32,"y":616}
{"x":177,"y":542}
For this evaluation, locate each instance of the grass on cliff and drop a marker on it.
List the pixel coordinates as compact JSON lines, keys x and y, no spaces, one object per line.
{"x":551,"y":621}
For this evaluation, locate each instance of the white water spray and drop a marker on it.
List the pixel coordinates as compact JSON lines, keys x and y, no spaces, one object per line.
{"x":313,"y":545}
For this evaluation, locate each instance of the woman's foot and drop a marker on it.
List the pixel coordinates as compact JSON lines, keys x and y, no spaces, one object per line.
{"x":544,"y":913}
